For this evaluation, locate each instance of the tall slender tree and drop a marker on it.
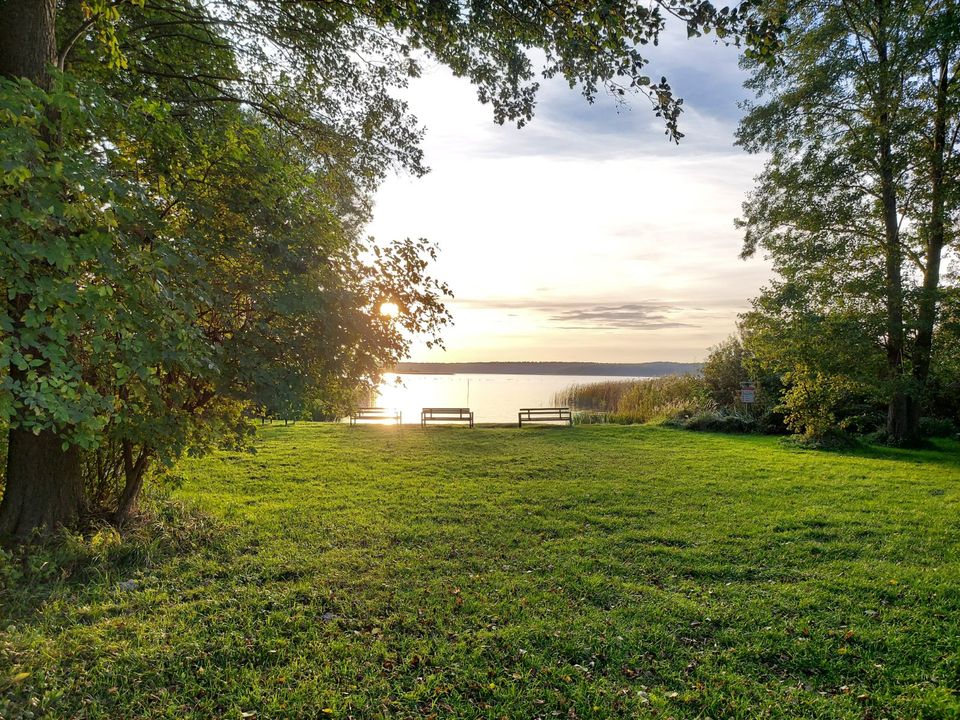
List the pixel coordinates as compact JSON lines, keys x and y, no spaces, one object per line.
{"x":860,"y":117}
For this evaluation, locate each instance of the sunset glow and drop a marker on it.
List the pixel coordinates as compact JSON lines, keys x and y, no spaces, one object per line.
{"x":585,"y":235}
{"x":389,"y":309}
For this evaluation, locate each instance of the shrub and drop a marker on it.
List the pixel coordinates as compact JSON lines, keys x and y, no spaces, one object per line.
{"x":823,"y":405}
{"x":937,"y":427}
{"x":720,"y":421}
{"x":772,"y":422}
{"x":723,"y":371}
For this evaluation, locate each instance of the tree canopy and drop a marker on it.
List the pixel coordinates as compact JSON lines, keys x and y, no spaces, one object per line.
{"x":858,"y":204}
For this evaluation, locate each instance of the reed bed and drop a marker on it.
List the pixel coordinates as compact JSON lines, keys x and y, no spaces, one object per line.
{"x":639,"y":401}
{"x":603,"y":396}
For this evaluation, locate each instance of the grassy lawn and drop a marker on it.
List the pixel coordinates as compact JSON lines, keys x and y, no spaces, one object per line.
{"x":598,"y":572}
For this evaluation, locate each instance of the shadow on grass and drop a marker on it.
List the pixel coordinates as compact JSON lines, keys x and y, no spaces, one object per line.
{"x":940,"y":451}
{"x":78,"y":566}
{"x":936,"y":451}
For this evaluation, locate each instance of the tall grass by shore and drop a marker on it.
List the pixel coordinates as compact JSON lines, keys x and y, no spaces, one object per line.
{"x":639,"y":401}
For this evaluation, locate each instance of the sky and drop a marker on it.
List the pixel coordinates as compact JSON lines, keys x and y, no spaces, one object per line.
{"x":586,"y":235}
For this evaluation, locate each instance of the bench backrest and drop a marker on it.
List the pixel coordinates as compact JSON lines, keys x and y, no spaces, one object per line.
{"x":563,"y":412}
{"x":435,"y":412}
{"x":371,"y":411}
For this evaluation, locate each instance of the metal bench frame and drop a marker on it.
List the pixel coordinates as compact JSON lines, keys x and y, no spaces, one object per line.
{"x":375,"y":413}
{"x":446,"y":415}
{"x":543,"y":415}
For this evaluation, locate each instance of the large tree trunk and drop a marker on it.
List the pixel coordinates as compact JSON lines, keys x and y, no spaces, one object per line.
{"x":901,"y":426}
{"x":43,"y":488}
{"x":900,"y":411}
{"x":935,"y":232}
{"x":28,"y":39}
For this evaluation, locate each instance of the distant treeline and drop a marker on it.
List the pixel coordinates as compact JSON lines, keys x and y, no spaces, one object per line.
{"x":647,"y":369}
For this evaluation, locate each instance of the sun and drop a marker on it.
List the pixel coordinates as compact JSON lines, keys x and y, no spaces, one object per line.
{"x":389,"y":309}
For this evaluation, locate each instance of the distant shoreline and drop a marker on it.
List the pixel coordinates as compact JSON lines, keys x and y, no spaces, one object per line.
{"x":647,"y":369}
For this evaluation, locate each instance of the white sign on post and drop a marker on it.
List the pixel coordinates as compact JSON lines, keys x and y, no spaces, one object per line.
{"x":748,"y":392}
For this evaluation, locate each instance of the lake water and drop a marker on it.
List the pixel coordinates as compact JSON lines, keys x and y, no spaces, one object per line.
{"x":493,"y":398}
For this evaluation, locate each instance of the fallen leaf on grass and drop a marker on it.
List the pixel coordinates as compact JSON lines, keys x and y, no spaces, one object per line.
{"x":18,"y":678}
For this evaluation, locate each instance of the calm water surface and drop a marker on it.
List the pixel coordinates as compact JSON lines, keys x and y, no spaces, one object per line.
{"x":493,"y":398}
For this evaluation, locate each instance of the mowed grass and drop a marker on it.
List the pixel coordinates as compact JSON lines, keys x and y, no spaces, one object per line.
{"x":592,"y":572}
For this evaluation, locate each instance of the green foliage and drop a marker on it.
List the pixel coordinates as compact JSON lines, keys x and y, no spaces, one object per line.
{"x":845,"y":209}
{"x":388,"y":572}
{"x":724,"y":370}
{"x":813,"y":402}
{"x":93,"y":314}
{"x":150,"y":310}
{"x":717,"y":421}
{"x":938,"y":428}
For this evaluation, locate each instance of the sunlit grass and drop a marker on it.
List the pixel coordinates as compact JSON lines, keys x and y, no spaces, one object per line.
{"x":593,"y":572}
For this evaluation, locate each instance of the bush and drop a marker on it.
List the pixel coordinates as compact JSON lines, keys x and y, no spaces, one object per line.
{"x":829,"y":440}
{"x":723,"y":371}
{"x":772,"y":422}
{"x":937,"y":427}
{"x":864,"y":423}
{"x":719,"y":421}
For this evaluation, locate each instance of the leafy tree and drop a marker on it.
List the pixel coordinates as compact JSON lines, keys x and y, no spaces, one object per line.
{"x":857,"y":205}
{"x":175,"y":304}
{"x":724,"y":370}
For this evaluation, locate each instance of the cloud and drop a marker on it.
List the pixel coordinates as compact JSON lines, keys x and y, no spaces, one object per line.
{"x":629,"y":316}
{"x":577,"y":315}
{"x":585,"y":235}
{"x":705,"y":74}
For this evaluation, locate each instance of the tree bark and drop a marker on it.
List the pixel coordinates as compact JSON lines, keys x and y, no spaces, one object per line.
{"x":900,"y":411}
{"x":935,"y":232}
{"x":134,"y":472}
{"x":28,"y":40}
{"x":43,"y":487}
{"x":900,"y":425}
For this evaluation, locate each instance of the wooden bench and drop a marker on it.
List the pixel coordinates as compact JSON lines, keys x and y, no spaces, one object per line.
{"x":375,"y":414}
{"x":541,"y":415}
{"x":446,"y":415}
